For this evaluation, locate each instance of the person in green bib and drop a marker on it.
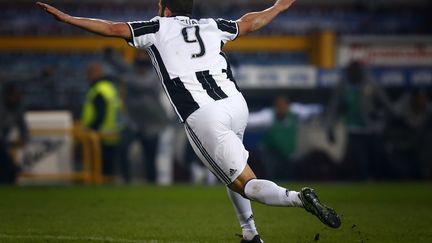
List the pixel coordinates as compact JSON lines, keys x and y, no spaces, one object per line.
{"x":280,"y":138}
{"x":364,"y":107}
{"x":101,"y":113}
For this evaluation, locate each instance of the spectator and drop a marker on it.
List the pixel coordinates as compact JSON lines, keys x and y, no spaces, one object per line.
{"x":12,"y":117}
{"x":101,"y":113}
{"x":363,"y":106}
{"x":146,"y":116}
{"x":280,"y":137}
{"x":411,"y":136}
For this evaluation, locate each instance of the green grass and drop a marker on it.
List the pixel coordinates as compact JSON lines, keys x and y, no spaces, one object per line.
{"x":370,"y":213}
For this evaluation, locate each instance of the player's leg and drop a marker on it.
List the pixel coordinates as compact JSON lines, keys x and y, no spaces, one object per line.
{"x":244,"y":214}
{"x":269,"y":193}
{"x":205,"y":152}
{"x":217,"y":145}
{"x":212,"y":131}
{"x":242,"y":205}
{"x":264,"y":191}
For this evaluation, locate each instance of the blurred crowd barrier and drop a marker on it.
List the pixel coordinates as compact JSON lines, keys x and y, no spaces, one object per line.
{"x":59,"y":151}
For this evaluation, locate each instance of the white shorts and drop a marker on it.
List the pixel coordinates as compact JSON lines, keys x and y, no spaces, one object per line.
{"x":215,"y":132}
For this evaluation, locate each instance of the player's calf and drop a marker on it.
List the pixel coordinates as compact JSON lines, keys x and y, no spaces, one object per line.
{"x":269,"y":193}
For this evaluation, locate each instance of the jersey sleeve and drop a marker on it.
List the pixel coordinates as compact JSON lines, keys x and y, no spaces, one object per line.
{"x":229,"y":29}
{"x":143,"y":32}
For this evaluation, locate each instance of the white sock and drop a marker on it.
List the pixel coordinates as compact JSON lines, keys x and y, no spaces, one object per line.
{"x":267,"y":192}
{"x":244,"y":214}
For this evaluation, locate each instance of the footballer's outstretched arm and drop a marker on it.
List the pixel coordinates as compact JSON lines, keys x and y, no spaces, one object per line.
{"x":97,"y":26}
{"x":256,"y":20}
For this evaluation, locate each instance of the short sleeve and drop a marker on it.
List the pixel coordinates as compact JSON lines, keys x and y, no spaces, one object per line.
{"x":229,"y":29}
{"x":143,"y":32}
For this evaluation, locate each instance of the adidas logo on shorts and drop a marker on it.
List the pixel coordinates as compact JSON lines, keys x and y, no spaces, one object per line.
{"x":232,"y":172}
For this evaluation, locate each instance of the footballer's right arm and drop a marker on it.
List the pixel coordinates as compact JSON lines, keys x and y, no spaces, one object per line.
{"x":256,"y":20}
{"x":97,"y":26}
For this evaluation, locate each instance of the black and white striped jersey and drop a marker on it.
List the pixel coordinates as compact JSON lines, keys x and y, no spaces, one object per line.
{"x":187,"y":56}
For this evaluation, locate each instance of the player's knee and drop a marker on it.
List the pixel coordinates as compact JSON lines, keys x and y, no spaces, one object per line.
{"x":239,"y":184}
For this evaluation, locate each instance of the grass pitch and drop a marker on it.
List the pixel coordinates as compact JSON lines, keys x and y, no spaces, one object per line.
{"x":370,"y":213}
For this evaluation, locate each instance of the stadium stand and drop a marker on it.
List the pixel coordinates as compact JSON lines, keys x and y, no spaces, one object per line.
{"x":24,"y":19}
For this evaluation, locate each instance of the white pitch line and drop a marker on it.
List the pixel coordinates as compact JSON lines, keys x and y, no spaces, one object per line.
{"x":74,"y":238}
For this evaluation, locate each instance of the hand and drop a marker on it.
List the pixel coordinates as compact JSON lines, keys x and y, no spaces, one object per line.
{"x":283,"y":4}
{"x":59,"y":15}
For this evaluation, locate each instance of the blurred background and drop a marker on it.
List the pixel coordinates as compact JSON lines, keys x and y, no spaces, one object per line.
{"x":338,"y":90}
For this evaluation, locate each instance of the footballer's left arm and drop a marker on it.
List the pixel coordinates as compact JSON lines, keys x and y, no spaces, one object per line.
{"x":97,"y":26}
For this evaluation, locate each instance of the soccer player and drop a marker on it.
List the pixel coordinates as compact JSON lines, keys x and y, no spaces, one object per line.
{"x":197,"y":79}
